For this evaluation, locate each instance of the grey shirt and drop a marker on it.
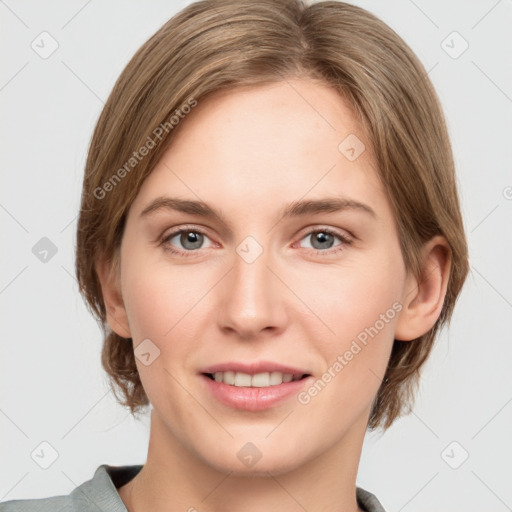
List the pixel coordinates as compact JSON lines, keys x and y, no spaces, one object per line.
{"x":100,"y":494}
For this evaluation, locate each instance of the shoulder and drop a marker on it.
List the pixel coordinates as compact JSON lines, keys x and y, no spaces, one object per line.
{"x":97,"y":494}
{"x":60,"y":503}
{"x":368,"y":501}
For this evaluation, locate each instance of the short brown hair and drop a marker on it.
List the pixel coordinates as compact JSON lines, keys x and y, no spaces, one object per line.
{"x":215,"y":45}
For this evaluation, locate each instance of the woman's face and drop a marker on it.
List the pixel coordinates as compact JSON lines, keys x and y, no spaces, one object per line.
{"x":252,"y":290}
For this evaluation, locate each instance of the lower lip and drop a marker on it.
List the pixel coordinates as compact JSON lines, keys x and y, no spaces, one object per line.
{"x":253,"y":399}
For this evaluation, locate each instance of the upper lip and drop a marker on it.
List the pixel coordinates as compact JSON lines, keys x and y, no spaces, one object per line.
{"x":254,"y":367}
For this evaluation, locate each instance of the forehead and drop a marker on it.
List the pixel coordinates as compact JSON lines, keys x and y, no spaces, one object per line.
{"x":267,"y":145}
{"x":288,"y":115}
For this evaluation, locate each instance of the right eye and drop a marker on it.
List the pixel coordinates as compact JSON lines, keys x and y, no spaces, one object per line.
{"x":191,"y":239}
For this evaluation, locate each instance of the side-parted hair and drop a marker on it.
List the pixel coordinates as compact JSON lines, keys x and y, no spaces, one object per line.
{"x":214,"y":45}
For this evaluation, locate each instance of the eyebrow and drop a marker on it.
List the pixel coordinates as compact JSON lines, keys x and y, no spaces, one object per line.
{"x":294,"y":209}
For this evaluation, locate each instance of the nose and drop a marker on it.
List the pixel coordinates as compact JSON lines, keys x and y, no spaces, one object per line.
{"x":251,"y":299}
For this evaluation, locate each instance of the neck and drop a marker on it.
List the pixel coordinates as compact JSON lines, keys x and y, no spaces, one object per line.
{"x":175,"y":478}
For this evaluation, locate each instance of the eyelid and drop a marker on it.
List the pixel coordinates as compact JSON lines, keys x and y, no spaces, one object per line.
{"x":316,"y":228}
{"x":346,"y":238}
{"x":167,"y":236}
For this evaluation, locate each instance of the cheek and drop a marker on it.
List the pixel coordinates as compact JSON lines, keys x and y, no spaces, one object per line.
{"x":356,"y":357}
{"x":360,"y":308}
{"x":158,"y":296}
{"x":147,"y":306}
{"x":352,"y":298}
{"x":162,"y":305}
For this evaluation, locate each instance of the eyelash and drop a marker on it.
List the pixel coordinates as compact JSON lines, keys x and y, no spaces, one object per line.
{"x":344,"y":241}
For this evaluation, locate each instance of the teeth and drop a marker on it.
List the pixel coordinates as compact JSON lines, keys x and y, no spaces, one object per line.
{"x":242,"y":380}
{"x":259,"y":380}
{"x":228,"y":378}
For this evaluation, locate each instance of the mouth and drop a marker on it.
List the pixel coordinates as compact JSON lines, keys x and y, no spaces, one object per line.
{"x":254,"y":385}
{"x":254,"y":392}
{"x":256,"y":380}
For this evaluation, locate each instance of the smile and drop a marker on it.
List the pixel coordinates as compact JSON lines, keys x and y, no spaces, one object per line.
{"x":258,"y":380}
{"x":258,"y":392}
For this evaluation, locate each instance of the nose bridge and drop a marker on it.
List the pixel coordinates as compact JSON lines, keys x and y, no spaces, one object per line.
{"x":251,"y":301}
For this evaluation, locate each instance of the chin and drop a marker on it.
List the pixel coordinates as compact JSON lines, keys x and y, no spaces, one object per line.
{"x":276,"y":465}
{"x":241,"y":457}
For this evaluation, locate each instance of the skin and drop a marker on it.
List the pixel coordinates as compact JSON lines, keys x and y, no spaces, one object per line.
{"x":248,"y":152}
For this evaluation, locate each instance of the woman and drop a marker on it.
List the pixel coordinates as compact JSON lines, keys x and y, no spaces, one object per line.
{"x":270,"y":236}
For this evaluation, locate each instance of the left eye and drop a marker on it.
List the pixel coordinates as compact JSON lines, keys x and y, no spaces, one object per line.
{"x":324,"y":239}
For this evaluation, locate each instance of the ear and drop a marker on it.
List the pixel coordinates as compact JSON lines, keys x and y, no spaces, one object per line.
{"x":424,"y":297}
{"x":109,"y":275}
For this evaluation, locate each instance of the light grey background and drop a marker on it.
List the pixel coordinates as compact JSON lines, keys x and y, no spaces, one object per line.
{"x":53,"y":387}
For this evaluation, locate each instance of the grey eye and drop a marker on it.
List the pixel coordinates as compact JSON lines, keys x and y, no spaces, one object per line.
{"x":322,"y":240}
{"x":190,"y":240}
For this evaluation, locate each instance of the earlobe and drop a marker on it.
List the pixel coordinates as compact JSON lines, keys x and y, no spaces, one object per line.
{"x":424,"y":297}
{"x":109,"y":276}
